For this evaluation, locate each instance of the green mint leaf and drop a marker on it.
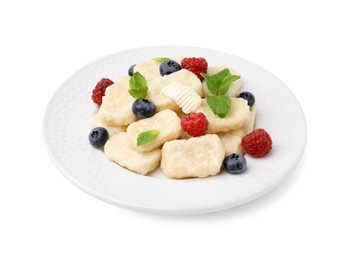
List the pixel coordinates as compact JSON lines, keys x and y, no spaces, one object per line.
{"x":136,"y":93}
{"x":219,"y":83}
{"x":138,"y":86}
{"x":147,"y":137}
{"x":220,"y":105}
{"x":137,"y":81}
{"x":226,"y":83}
{"x":160,"y":59}
{"x":211,"y":83}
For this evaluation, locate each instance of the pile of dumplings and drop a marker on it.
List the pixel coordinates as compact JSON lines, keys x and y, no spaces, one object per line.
{"x":178,"y":154}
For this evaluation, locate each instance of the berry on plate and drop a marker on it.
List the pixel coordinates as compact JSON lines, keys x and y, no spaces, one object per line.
{"x":98,"y":137}
{"x":99,"y":91}
{"x":195,"y":124}
{"x":195,"y":65}
{"x":235,"y":163}
{"x":131,"y":70}
{"x":143,"y":108}
{"x":247,"y":96}
{"x":169,"y":66}
{"x":258,"y":143}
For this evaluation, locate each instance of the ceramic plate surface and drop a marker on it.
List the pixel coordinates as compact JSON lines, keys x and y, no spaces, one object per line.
{"x":66,"y":129}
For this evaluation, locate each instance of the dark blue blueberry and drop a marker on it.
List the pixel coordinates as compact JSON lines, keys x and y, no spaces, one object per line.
{"x":235,"y":163}
{"x":247,"y":96}
{"x":143,"y":108}
{"x":98,"y":137}
{"x":131,"y":70}
{"x":169,"y":66}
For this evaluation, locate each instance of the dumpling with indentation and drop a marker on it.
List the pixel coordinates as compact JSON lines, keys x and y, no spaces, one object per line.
{"x":196,"y":157}
{"x":237,"y":118}
{"x":119,"y":150}
{"x":166,"y":122}
{"x":116,"y":108}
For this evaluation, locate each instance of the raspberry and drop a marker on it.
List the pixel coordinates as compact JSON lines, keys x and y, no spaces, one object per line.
{"x":195,"y":124}
{"x":195,"y":65}
{"x":257,"y":143}
{"x":100,"y":89}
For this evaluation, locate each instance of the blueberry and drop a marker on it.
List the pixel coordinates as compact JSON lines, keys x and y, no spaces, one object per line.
{"x":98,"y":137}
{"x":169,"y":66}
{"x":143,"y":108}
{"x":247,"y":96}
{"x":235,"y":163}
{"x":131,"y":70}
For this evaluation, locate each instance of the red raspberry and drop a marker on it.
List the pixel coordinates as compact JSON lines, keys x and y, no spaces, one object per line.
{"x":100,"y":89}
{"x":257,"y":143}
{"x":195,"y":124}
{"x":195,"y":65}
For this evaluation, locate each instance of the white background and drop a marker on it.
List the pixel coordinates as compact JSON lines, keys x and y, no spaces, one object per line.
{"x":307,"y":44}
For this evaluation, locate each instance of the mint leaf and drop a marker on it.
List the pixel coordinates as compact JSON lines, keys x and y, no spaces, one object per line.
{"x":147,"y":137}
{"x":136,"y":93}
{"x":138,"y":86}
{"x":219,"y":83}
{"x":220,"y":105}
{"x":160,"y":59}
{"x":211,"y":83}
{"x":225,"y":85}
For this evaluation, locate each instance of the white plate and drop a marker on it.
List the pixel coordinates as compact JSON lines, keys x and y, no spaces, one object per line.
{"x":66,"y":136}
